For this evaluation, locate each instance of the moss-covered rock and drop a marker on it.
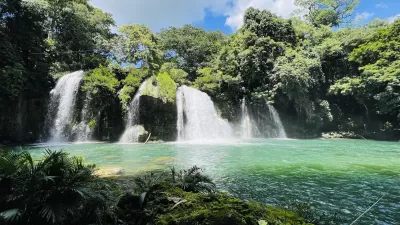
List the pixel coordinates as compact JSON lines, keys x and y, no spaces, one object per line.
{"x":168,"y":205}
{"x":161,"y":87}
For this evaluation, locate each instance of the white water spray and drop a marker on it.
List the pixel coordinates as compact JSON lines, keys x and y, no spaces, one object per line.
{"x":280,"y":129}
{"x":246,"y":126}
{"x":197,"y":117}
{"x":62,"y":101}
{"x":84,"y":131}
{"x":132,"y":131}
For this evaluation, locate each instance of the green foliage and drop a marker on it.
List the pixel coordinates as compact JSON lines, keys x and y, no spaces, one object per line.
{"x":136,"y":44}
{"x":190,"y":47}
{"x":296,"y":74}
{"x":74,"y":31}
{"x":160,"y":86}
{"x":101,"y":84}
{"x":21,"y":33}
{"x":57,"y":189}
{"x":327,"y":12}
{"x":263,"y":23}
{"x":131,"y":84}
{"x":209,"y":80}
{"x":166,"y":87}
{"x":177,"y":75}
{"x":189,"y":180}
{"x":92,"y":124}
{"x":101,"y":78}
{"x":192,"y":180}
{"x":378,"y":83}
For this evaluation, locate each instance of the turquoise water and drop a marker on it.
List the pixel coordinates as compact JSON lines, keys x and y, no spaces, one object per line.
{"x":343,"y":176}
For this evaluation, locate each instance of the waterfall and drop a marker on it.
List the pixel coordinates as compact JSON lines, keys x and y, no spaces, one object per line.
{"x":280,"y":130}
{"x":198,"y":118}
{"x":246,"y":127}
{"x":84,"y":130}
{"x":132,"y":130}
{"x":62,"y":105}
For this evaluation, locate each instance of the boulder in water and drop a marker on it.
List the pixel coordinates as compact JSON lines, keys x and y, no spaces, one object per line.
{"x":133,"y":134}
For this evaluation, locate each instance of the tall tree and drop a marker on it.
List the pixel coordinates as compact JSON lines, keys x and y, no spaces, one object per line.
{"x":190,"y":47}
{"x":22,"y":48}
{"x":75,"y":29}
{"x":327,"y":12}
{"x":137,"y":45}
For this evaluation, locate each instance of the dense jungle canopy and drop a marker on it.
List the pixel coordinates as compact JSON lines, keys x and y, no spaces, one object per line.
{"x":321,"y":72}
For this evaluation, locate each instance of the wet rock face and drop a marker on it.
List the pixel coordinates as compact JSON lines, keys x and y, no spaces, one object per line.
{"x":158,"y":118}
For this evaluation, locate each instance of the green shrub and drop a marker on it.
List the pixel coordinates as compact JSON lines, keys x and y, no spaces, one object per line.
{"x":101,"y":79}
{"x":131,"y":84}
{"x":166,"y":87}
{"x":177,"y":75}
{"x":57,"y":189}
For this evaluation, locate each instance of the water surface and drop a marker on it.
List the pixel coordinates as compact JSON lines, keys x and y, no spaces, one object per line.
{"x":344,"y":176}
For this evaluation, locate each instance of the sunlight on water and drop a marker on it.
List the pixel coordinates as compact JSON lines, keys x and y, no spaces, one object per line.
{"x":343,"y":176}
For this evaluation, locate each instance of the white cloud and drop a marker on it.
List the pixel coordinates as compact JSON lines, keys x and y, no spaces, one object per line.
{"x":362,"y":16}
{"x":393,"y":18}
{"x":159,"y":14}
{"x":381,"y":6}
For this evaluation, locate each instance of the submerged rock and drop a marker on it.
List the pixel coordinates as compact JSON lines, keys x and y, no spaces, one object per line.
{"x":104,"y":172}
{"x":135,"y":133}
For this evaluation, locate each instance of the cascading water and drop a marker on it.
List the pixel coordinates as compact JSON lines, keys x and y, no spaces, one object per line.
{"x":280,"y":130}
{"x":197,"y":117}
{"x":132,"y":128}
{"x":246,"y":126}
{"x":62,"y":105}
{"x":84,"y":130}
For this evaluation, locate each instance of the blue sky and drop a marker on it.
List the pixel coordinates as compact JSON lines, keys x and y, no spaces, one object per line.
{"x":224,"y":15}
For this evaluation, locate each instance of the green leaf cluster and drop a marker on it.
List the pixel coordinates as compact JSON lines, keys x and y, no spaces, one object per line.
{"x":57,"y":189}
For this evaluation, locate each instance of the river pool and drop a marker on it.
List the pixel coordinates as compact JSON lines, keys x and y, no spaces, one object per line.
{"x":343,"y":176}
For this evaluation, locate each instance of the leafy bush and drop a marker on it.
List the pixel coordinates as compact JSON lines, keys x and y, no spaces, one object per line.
{"x":177,"y":75}
{"x":131,"y":84}
{"x":101,"y":79}
{"x":192,"y":180}
{"x":209,"y":80}
{"x":166,"y":87}
{"x":57,"y":189}
{"x":102,"y":85}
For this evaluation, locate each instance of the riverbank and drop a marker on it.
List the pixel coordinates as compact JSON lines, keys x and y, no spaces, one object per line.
{"x":63,"y":190}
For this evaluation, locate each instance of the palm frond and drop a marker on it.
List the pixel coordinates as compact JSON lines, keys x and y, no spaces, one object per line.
{"x":11,"y":215}
{"x":51,"y":213}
